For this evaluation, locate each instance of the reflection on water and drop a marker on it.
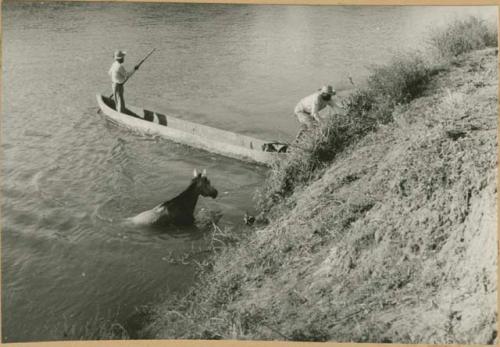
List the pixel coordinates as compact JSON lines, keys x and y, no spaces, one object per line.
{"x":70,"y":178}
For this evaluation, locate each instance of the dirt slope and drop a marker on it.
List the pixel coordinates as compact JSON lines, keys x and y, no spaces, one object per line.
{"x":396,"y":242}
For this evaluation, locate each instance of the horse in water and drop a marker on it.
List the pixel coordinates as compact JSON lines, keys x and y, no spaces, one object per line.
{"x":179,"y":210}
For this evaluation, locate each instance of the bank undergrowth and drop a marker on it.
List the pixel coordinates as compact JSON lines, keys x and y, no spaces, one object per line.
{"x":404,"y":78}
{"x":380,"y":223}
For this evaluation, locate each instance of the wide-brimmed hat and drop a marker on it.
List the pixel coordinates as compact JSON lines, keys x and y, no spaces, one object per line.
{"x":120,"y":54}
{"x":327,"y":90}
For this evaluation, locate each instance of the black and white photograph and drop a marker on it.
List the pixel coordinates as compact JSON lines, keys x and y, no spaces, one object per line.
{"x":203,"y":171}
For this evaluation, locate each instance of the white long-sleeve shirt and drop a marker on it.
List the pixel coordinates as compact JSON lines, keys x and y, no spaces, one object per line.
{"x":118,"y":73}
{"x":314,"y":103}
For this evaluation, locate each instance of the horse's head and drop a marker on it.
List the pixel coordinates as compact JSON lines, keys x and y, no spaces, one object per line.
{"x":202,"y":184}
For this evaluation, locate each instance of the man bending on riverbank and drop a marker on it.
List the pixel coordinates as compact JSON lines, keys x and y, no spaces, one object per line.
{"x":307,"y":110}
{"x":118,"y":77}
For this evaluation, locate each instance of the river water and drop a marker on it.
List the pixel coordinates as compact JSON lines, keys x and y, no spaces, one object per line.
{"x":69,"y":177}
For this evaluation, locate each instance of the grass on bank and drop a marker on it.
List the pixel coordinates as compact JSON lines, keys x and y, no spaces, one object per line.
{"x":203,"y":313}
{"x":206,"y":312}
{"x":348,"y":264}
{"x":397,"y":83}
{"x":402,"y":80}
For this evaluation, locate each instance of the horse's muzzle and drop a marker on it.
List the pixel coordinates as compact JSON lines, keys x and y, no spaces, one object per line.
{"x":213,"y":194}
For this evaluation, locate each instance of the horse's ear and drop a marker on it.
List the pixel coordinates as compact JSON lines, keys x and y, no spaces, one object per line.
{"x":195,"y":173}
{"x":204,"y":173}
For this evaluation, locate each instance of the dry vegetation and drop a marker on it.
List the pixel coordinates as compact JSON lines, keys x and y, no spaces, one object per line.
{"x":464,"y":36}
{"x":395,"y":242}
{"x":381,"y":225}
{"x":403,"y":79}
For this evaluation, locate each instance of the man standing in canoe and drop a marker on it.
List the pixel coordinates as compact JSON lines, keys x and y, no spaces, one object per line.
{"x":307,"y":110}
{"x":118,"y":77}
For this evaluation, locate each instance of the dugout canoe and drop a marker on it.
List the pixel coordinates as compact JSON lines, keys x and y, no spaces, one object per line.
{"x":195,"y":135}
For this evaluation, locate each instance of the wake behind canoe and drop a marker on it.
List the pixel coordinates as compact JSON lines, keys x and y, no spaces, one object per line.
{"x":195,"y":135}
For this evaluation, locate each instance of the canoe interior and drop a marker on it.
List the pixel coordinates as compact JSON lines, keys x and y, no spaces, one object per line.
{"x":196,"y":129}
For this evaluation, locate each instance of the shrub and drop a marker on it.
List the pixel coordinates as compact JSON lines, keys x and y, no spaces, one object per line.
{"x":464,"y":36}
{"x":400,"y":81}
{"x":297,"y":167}
{"x":315,"y":150}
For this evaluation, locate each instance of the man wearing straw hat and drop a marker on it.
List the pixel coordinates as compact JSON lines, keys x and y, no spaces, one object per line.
{"x":118,"y":77}
{"x":307,"y":110}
